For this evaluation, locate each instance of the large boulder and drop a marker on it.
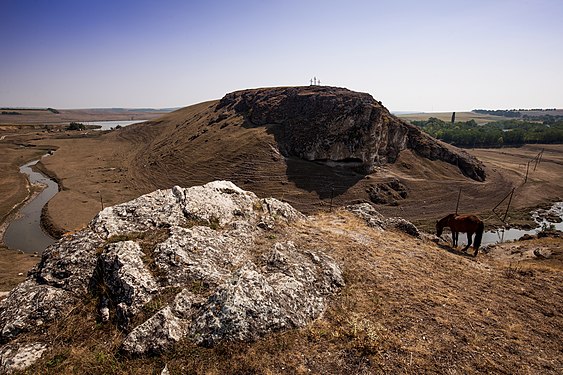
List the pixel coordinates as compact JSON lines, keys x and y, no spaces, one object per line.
{"x":179,"y":264}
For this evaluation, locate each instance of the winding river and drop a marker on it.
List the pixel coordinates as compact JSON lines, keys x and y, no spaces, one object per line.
{"x":25,"y":232}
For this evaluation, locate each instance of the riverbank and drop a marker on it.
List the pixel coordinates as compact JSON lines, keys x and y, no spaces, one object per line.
{"x":14,"y":266}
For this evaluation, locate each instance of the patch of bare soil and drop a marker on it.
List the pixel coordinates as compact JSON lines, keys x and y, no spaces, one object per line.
{"x":13,"y":268}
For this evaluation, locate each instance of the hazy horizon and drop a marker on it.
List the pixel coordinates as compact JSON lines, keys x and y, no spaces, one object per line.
{"x":413,"y":56}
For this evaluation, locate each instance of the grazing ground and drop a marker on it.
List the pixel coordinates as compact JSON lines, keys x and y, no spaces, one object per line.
{"x":409,"y":306}
{"x":182,"y":148}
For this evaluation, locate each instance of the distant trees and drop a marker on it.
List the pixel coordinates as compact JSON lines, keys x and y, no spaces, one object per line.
{"x":499,"y":112}
{"x":493,"y":134}
{"x":76,"y":126}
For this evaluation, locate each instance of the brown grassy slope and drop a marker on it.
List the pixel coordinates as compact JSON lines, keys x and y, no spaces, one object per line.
{"x":193,"y":146}
{"x":409,"y":306}
{"x":184,"y":149}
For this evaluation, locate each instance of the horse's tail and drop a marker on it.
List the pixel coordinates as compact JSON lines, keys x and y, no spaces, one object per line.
{"x":478,"y":236}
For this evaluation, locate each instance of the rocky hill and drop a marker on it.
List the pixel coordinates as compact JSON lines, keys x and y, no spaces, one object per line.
{"x":300,"y":144}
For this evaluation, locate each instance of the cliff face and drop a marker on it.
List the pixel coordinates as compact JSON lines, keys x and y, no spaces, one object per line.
{"x":338,"y":126}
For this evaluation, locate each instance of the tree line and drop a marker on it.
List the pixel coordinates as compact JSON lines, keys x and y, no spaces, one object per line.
{"x":493,"y":134}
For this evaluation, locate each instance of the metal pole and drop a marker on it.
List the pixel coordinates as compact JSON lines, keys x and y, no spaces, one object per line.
{"x":540,"y":155}
{"x":458,"y":197}
{"x":508,"y":206}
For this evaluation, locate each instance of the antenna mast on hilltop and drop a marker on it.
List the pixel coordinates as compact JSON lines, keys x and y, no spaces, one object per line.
{"x":315,"y":81}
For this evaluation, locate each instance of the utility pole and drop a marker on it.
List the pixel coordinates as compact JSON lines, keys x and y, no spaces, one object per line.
{"x":457,"y":204}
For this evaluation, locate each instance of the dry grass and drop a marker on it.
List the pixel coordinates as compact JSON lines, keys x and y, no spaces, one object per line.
{"x":408,"y":307}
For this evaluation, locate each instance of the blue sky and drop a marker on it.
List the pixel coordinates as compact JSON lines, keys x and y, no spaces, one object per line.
{"x":411,"y":55}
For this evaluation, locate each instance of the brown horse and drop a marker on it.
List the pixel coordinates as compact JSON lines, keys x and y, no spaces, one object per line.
{"x":462,"y":223}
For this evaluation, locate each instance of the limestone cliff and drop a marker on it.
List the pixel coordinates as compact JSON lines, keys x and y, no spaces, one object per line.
{"x":338,"y":126}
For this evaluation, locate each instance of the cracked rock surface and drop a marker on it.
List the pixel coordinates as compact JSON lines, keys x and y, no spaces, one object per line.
{"x":179,"y":264}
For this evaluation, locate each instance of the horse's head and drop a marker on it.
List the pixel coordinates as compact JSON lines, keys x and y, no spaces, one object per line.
{"x":442,"y":223}
{"x":439,"y":229}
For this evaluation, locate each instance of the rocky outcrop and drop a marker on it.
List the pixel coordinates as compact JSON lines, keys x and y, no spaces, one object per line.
{"x":374,"y":219}
{"x":179,"y":264}
{"x":17,"y":357}
{"x":389,"y":192}
{"x":339,"y":127}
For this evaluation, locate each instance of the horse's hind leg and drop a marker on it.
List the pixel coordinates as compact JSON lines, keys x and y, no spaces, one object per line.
{"x":469,"y":235}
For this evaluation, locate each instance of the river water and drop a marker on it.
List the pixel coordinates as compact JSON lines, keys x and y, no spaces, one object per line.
{"x":108,"y":125}
{"x":25,"y":232}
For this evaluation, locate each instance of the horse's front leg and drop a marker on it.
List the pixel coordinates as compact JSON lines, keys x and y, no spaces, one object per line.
{"x":469,"y":235}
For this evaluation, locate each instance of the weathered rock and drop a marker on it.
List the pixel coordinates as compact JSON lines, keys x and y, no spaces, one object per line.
{"x":402,"y":225}
{"x":338,"y":126}
{"x":201,"y":240}
{"x":31,"y":305}
{"x":201,"y":253}
{"x":147,"y":212}
{"x":253,"y":302}
{"x":130,"y":284}
{"x":366,"y":212}
{"x":70,"y":263}
{"x":17,"y":357}
{"x":389,"y":192}
{"x":165,"y":328}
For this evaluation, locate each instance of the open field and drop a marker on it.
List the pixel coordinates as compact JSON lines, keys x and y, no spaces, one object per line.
{"x":447,"y":116}
{"x":64,"y":116}
{"x":94,"y":169}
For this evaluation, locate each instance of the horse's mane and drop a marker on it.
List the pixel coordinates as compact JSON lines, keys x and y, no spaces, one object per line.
{"x":446,"y":218}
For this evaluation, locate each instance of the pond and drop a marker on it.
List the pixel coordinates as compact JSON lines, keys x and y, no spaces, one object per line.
{"x":541,"y":217}
{"x":25,"y":232}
